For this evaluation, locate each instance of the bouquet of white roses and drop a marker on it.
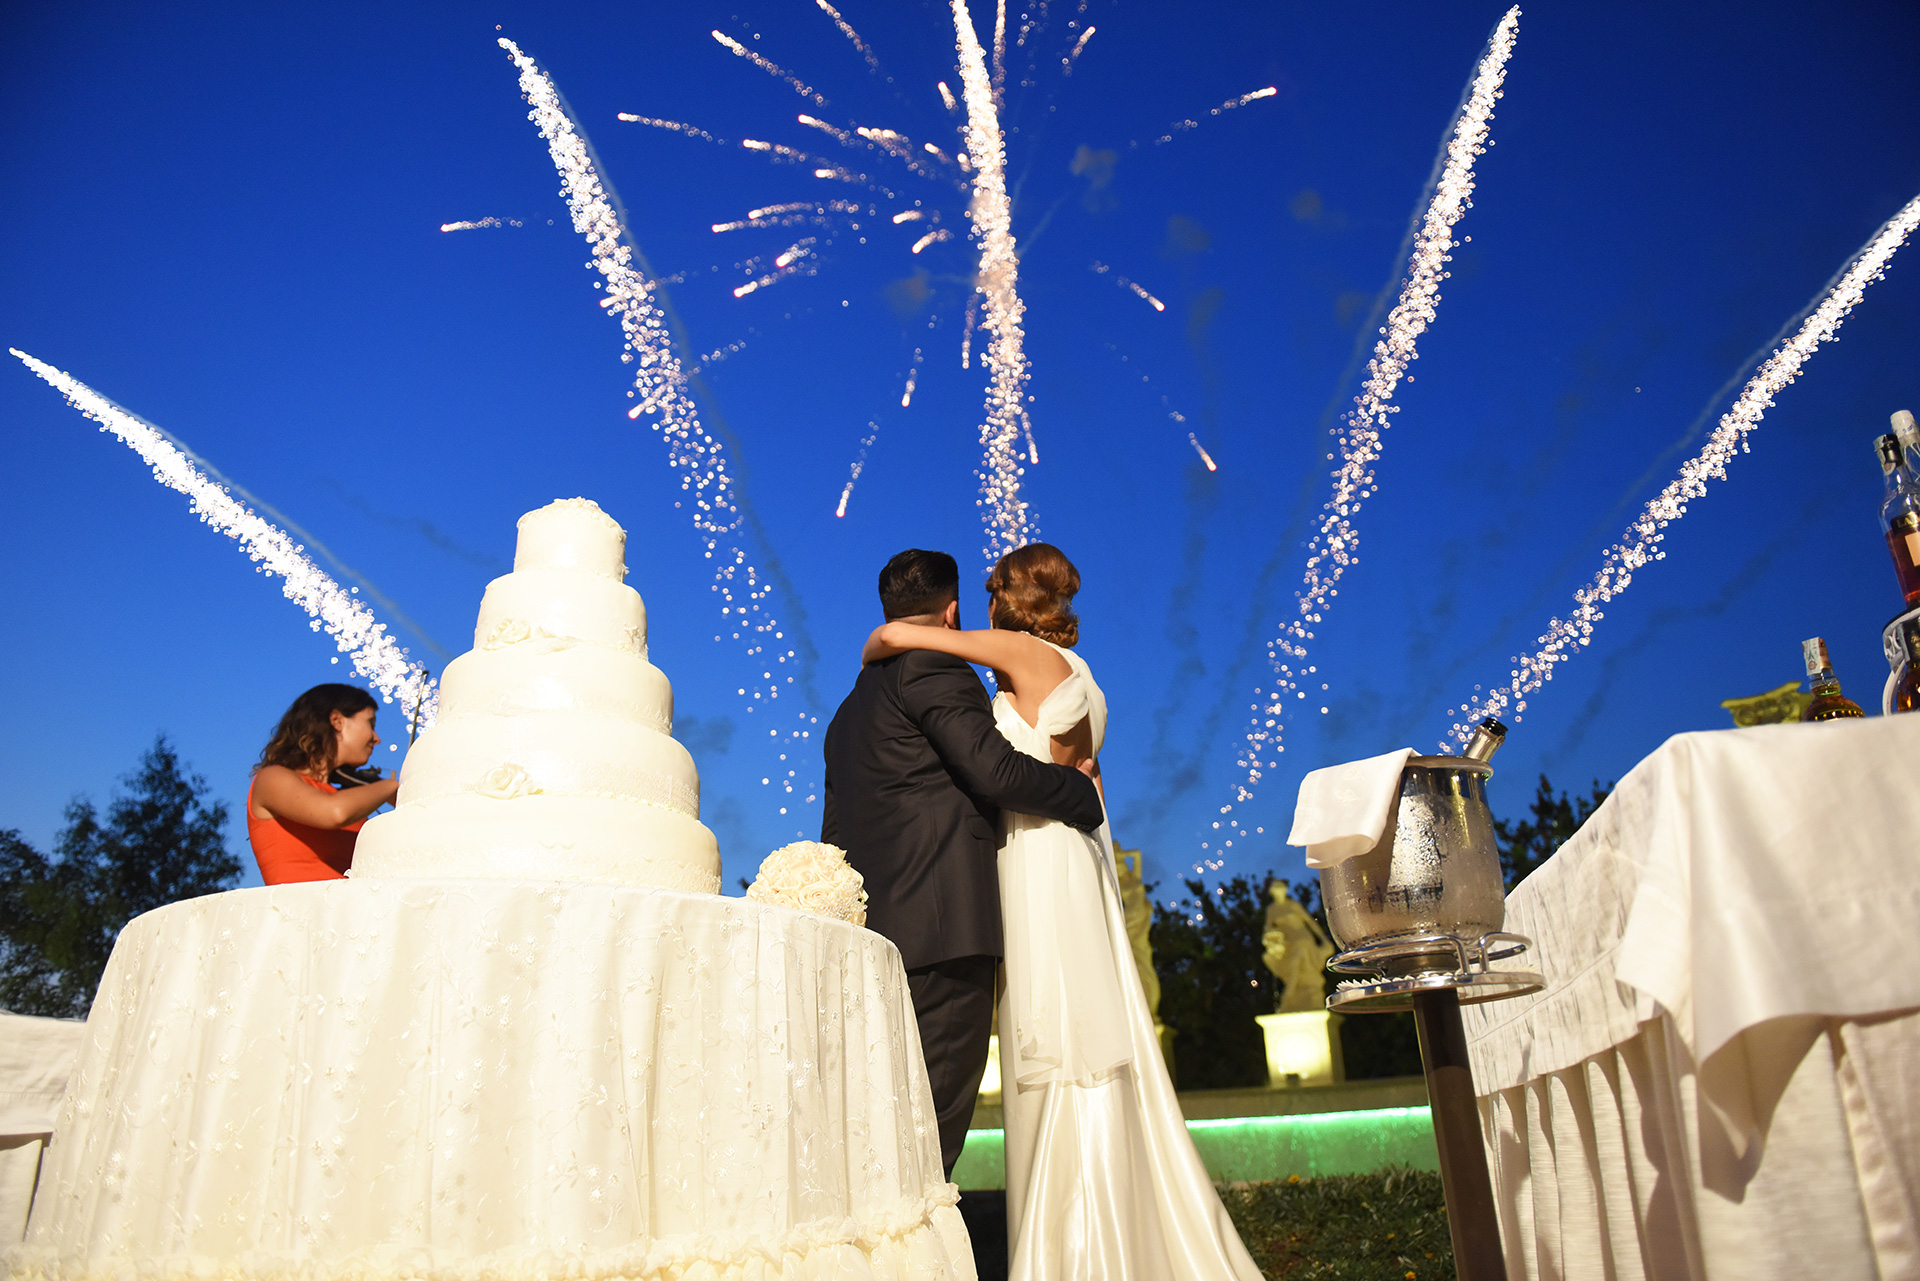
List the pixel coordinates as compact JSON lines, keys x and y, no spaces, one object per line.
{"x":811,"y":877}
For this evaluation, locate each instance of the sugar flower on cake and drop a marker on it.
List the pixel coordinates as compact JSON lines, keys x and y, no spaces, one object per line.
{"x":504,"y":782}
{"x":508,"y":631}
{"x":811,"y":877}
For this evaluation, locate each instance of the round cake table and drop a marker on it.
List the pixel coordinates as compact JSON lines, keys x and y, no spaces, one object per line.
{"x":489,"y":1079}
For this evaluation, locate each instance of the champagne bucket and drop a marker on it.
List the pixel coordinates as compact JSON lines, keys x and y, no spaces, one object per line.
{"x":1435,"y":871}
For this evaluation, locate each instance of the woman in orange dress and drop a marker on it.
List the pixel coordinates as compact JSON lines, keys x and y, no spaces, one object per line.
{"x":302,"y":827}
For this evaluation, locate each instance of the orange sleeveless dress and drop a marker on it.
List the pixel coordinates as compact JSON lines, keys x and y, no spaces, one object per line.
{"x":288,"y":851}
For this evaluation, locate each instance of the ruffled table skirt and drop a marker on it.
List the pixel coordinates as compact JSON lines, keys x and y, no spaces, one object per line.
{"x":482,"y":1079}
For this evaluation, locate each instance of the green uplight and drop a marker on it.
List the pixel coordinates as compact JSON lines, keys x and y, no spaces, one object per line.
{"x":1255,"y":1148}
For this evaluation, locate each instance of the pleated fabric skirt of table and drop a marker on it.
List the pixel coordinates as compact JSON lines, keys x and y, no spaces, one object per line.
{"x":444,"y":1080}
{"x":1616,"y":1170}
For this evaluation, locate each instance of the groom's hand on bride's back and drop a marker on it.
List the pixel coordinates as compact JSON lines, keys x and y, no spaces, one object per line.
{"x":944,"y":698}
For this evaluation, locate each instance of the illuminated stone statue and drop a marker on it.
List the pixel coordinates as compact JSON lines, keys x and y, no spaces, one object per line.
{"x":1296,"y":951}
{"x":1133,"y":898}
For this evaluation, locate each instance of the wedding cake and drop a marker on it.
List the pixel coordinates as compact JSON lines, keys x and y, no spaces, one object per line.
{"x":553,"y":757}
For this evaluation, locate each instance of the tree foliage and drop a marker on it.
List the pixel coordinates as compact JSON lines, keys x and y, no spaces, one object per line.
{"x":161,"y":840}
{"x":1207,"y":951}
{"x":1526,"y":844}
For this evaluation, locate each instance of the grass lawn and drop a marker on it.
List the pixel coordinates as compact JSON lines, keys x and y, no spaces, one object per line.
{"x":1386,"y":1226}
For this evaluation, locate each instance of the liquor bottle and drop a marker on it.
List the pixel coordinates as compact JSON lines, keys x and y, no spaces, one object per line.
{"x":1828,"y":704}
{"x":1906,"y":690}
{"x":1900,"y":516}
{"x":1908,"y":435}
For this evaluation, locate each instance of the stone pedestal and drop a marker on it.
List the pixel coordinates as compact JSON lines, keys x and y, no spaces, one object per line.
{"x":1303,"y":1048}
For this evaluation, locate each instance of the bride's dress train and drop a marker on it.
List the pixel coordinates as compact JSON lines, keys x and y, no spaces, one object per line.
{"x":1102,"y":1178}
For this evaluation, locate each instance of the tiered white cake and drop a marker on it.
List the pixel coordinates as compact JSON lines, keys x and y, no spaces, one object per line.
{"x":553,"y":757}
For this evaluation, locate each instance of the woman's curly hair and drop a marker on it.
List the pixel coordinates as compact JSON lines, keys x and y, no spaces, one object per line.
{"x":304,"y":740}
{"x":1033,"y":589}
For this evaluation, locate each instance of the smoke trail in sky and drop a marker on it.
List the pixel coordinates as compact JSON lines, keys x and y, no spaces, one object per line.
{"x":777,"y":72}
{"x":1332,"y":548}
{"x":661,"y":386}
{"x":873,"y":63}
{"x":481,"y":223}
{"x":355,"y":630}
{"x":1640,"y":545}
{"x":1008,"y":522}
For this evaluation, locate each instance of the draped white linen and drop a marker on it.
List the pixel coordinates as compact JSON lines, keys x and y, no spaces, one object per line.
{"x":468,"y":1079}
{"x":1719,"y":1079}
{"x":36,"y":1057}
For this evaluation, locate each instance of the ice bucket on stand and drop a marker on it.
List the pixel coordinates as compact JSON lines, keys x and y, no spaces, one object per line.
{"x":1418,"y":921}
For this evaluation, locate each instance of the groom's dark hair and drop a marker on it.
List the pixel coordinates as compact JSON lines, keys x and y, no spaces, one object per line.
{"x":918,"y":582}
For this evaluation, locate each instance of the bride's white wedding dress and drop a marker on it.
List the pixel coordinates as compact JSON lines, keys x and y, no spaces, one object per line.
{"x":1102,"y":1179}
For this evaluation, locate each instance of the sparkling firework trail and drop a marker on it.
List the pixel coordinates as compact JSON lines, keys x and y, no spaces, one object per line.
{"x":671,"y":126}
{"x":1066,"y":63}
{"x":482,"y":223}
{"x":873,"y":63}
{"x":966,"y":334}
{"x":779,"y":73}
{"x":1332,"y":548}
{"x":1102,"y":269}
{"x":1182,"y":126}
{"x":1205,"y":457}
{"x":859,"y":465}
{"x":1640,"y":545}
{"x":353,"y":627}
{"x":946,"y":96}
{"x":1008,"y":522}
{"x":913,"y":375}
{"x":933,"y":237}
{"x":840,"y":136}
{"x":660,"y":384}
{"x":907,"y":215}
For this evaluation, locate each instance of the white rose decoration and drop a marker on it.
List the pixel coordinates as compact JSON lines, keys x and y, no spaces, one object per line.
{"x":508,"y":631}
{"x":504,"y":782}
{"x":811,"y":877}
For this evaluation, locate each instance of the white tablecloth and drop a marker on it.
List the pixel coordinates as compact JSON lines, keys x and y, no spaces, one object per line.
{"x":36,"y":1056}
{"x":485,"y":1079}
{"x":1722,"y":1078}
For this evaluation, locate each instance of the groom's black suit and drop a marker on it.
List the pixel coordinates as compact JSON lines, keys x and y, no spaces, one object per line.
{"x":916,"y":776}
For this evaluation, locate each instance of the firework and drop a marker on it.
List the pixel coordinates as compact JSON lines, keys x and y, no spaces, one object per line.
{"x":913,"y":374}
{"x":1066,"y":63}
{"x":777,"y":72}
{"x":1008,"y":521}
{"x":671,"y":126}
{"x":873,"y":63}
{"x":481,"y":223}
{"x":333,"y":609}
{"x":1640,"y":545}
{"x":1334,"y":545}
{"x":660,"y":386}
{"x":859,"y":465}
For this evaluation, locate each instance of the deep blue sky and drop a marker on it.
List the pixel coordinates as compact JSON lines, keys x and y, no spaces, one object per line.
{"x":226,"y":218}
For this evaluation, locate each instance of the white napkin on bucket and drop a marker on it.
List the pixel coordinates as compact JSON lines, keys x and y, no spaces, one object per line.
{"x":1343,"y":808}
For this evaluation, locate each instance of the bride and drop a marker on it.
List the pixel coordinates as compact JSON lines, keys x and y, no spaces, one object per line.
{"x":1102,"y":1179}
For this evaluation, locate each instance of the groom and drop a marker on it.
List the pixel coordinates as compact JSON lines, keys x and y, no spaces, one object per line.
{"x":916,"y":776}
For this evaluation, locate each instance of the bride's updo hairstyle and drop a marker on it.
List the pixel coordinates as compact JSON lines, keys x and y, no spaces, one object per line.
{"x":1033,"y":589}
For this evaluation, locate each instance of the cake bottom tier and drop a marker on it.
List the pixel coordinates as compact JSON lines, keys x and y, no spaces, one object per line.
{"x":547,"y":838}
{"x":486,"y":1079}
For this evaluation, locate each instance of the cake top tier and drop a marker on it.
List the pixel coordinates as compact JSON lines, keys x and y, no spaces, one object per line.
{"x":572,"y":534}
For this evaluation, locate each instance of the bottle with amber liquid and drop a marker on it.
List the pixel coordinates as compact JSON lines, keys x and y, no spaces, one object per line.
{"x":1900,"y":516}
{"x":1906,"y":690}
{"x":1828,"y":704}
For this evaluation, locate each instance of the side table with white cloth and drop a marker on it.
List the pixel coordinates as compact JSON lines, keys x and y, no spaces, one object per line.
{"x":36,"y":1056}
{"x":467,"y":1079}
{"x":1722,"y":1077}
